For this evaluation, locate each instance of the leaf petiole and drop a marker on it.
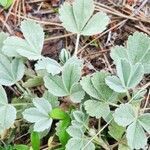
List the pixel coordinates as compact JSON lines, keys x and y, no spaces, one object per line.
{"x":77,"y":45}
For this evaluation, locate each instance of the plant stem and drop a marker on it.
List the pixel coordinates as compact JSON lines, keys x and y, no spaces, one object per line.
{"x":96,"y":135}
{"x":21,"y":104}
{"x":77,"y":45}
{"x":20,"y":87}
{"x":128,"y":95}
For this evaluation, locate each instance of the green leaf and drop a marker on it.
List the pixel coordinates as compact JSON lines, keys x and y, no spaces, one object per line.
{"x":99,"y":21}
{"x":88,"y":87}
{"x":80,"y":120}
{"x":48,"y":64}
{"x":61,"y":132}
{"x":8,"y":116}
{"x":53,"y":100}
{"x":71,"y":72}
{"x":123,"y":147}
{"x":67,"y":18}
{"x":96,"y":87}
{"x":136,"y":136}
{"x":21,"y":147}
{"x":115,"y":84}
{"x":6,"y":3}
{"x":80,"y":117}
{"x":3,"y":96}
{"x":55,"y":85}
{"x":31,"y":47}
{"x":124,"y":115}
{"x":3,"y":37}
{"x":105,"y":93}
{"x":33,"y":82}
{"x":136,"y":51}
{"x":77,"y":18}
{"x":100,"y":109}
{"x":75,"y":132}
{"x":7,"y":111}
{"x":59,"y":114}
{"x":144,"y":120}
{"x":35,"y":140}
{"x":39,"y":115}
{"x":79,"y":143}
{"x":64,"y":56}
{"x":116,"y":131}
{"x":129,"y":76}
{"x":77,"y":93}
{"x":11,"y":71}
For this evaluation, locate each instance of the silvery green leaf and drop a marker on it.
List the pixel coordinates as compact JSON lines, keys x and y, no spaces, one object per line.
{"x":123,"y":147}
{"x":77,"y":18}
{"x":105,"y":93}
{"x":76,"y":93}
{"x":78,"y":144}
{"x":124,"y":115}
{"x":3,"y":96}
{"x":55,"y":85}
{"x":3,"y":37}
{"x":31,"y":46}
{"x":48,"y":64}
{"x":81,"y":13}
{"x":67,"y":18}
{"x":42,"y":105}
{"x":75,"y":132}
{"x":99,"y":21}
{"x":79,"y":116}
{"x":136,"y":51}
{"x":144,"y":121}
{"x":39,"y":115}
{"x":11,"y":70}
{"x":8,"y":116}
{"x":88,"y":87}
{"x":130,"y":75}
{"x":116,"y":131}
{"x":115,"y":84}
{"x":136,"y":136}
{"x":96,"y":108}
{"x":33,"y":82}
{"x":53,"y":100}
{"x":71,"y":72}
{"x":64,"y":56}
{"x":80,"y":120}
{"x":13,"y":44}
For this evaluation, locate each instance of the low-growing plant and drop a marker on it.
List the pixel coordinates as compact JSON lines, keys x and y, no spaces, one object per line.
{"x":113,"y":100}
{"x":6,"y":3}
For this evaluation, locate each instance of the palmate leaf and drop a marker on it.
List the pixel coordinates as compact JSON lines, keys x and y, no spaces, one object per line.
{"x":30,"y":47}
{"x":3,"y":37}
{"x":39,"y":115}
{"x":67,"y":84}
{"x":129,"y":76}
{"x":7,"y":112}
{"x":77,"y":140}
{"x":11,"y":71}
{"x":96,"y":87}
{"x":48,"y":64}
{"x":116,"y":131}
{"x":126,"y":116}
{"x":101,"y":109}
{"x":55,"y":85}
{"x":77,"y":18}
{"x":71,"y":72}
{"x":136,"y":51}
